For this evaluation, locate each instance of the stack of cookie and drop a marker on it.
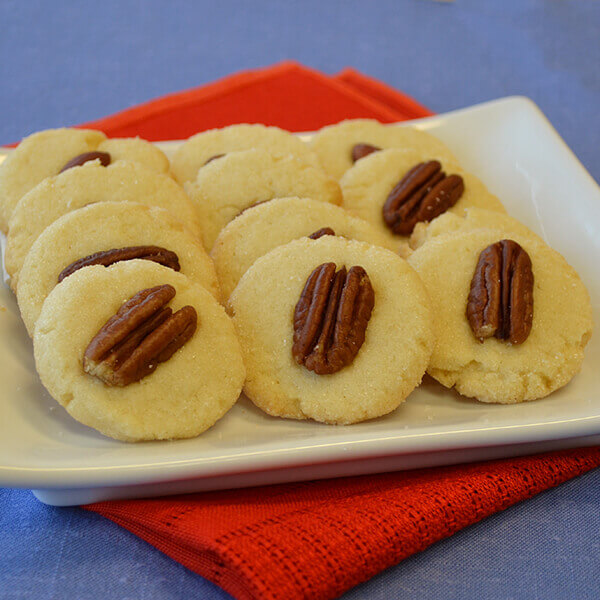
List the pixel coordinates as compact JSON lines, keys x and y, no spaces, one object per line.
{"x":349,"y":266}
{"x":105,"y":254}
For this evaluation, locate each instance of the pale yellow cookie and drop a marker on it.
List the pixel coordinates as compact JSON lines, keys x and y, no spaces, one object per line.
{"x":100,"y":227}
{"x":45,"y":153}
{"x":183,"y":397}
{"x":388,"y":366}
{"x":38,"y":156}
{"x":136,"y":150}
{"x":264,"y":227}
{"x":495,"y":370}
{"x":368,"y":183}
{"x":473,"y":218}
{"x":197,"y":150}
{"x":333,"y":144}
{"x":227,"y":186}
{"x":55,"y":196}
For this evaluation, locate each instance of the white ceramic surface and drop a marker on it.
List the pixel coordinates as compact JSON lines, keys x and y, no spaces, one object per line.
{"x":511,"y":146}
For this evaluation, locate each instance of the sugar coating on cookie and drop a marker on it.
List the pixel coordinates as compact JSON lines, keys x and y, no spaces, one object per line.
{"x":496,"y":371}
{"x":473,"y":218}
{"x":264,"y":227}
{"x":136,"y":149}
{"x":227,"y":186}
{"x":200,"y":148}
{"x":368,"y":183}
{"x":45,"y":153}
{"x":100,"y":227}
{"x":38,"y":156}
{"x":333,"y":144}
{"x":183,"y":397}
{"x":388,"y":366}
{"x":122,"y":181}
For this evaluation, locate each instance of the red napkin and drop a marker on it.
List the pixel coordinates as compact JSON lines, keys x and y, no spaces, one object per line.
{"x":314,"y":539}
{"x":287,"y":95}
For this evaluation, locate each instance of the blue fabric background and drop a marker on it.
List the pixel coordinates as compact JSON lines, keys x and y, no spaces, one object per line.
{"x":66,"y":62}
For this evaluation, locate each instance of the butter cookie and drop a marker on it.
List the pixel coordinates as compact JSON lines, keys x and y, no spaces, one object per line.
{"x":339,"y":146}
{"x":47,"y":153}
{"x":396,"y":189}
{"x":104,"y":233}
{"x":206,"y":146}
{"x":334,"y":330}
{"x":512,"y":317}
{"x":275,"y":223}
{"x":167,"y":366}
{"x":121,"y":181}
{"x":229,"y":185}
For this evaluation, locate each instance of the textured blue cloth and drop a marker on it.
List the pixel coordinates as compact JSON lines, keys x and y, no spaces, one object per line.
{"x":544,"y":549}
{"x":67,"y":62}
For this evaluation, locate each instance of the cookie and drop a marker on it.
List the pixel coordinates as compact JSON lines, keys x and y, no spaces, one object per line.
{"x":45,"y":153}
{"x":389,"y":364}
{"x":503,"y":370}
{"x":264,"y":227}
{"x":55,"y":196}
{"x":200,"y":148}
{"x":334,"y":144}
{"x":473,"y":218}
{"x":136,"y":149}
{"x":227,"y":186}
{"x":107,"y":226}
{"x":368,"y":184}
{"x":181,"y":398}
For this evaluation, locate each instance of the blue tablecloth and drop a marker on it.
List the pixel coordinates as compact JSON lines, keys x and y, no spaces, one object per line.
{"x":67,"y":62}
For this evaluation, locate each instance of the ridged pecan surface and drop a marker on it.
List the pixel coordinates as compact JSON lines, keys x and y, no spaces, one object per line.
{"x":361,"y":150}
{"x":424,"y":193}
{"x":500,"y":300}
{"x":142,"y":334}
{"x":331,"y":318}
{"x":321,"y":232}
{"x":77,"y":161}
{"x":156,"y":254}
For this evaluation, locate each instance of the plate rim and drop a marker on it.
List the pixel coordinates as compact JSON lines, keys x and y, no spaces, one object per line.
{"x":334,"y":451}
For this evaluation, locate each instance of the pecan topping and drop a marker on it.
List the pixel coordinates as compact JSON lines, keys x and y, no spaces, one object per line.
{"x":109,"y":257}
{"x":501,"y":298}
{"x":423,"y":194}
{"x":321,"y":232}
{"x":77,"y":161}
{"x":361,"y":150}
{"x":331,"y":318}
{"x":213,"y":158}
{"x":143,"y":333}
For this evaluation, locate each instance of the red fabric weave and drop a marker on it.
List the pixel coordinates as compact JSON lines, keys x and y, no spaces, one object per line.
{"x":318,"y":539}
{"x":314,"y":539}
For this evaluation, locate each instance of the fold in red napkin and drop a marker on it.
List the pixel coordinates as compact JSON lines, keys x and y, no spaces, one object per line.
{"x":318,"y":539}
{"x":314,"y":539}
{"x":287,"y":95}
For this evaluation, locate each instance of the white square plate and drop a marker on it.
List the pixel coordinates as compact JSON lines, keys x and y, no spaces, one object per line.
{"x":511,"y":146}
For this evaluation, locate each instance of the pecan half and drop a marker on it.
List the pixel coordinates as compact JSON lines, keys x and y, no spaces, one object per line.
{"x":423,"y":194}
{"x":143,"y":333}
{"x":321,"y":232}
{"x":500,"y":301}
{"x":361,"y":150}
{"x":77,"y":161}
{"x":331,"y":318}
{"x":156,"y":254}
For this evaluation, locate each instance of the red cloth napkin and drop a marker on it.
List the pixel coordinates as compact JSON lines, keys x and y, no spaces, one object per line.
{"x":314,"y":539}
{"x":288,"y":95}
